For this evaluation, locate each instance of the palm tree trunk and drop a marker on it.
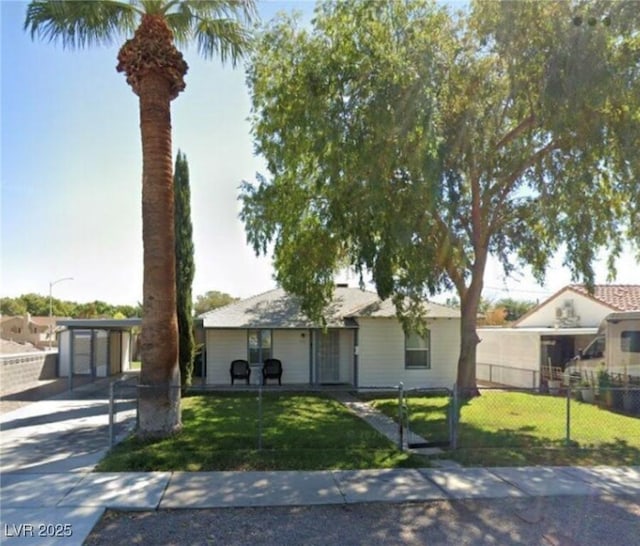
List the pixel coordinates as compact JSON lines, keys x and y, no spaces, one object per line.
{"x":155,"y":70}
{"x":159,"y":409}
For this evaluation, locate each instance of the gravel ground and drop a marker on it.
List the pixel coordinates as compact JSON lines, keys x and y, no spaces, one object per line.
{"x":553,"y":521}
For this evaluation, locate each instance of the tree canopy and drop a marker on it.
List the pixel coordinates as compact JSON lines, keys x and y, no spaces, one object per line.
{"x":211,"y":300}
{"x":411,"y":143}
{"x":37,"y":305}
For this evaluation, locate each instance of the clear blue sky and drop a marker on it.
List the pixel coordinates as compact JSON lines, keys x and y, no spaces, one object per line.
{"x":71,"y":174}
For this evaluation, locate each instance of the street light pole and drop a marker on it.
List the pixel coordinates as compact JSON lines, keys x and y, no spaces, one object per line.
{"x":51,"y":285}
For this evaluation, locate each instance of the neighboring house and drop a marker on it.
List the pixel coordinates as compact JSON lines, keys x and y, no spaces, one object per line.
{"x":550,"y":334}
{"x":28,"y":329}
{"x":363,"y":345}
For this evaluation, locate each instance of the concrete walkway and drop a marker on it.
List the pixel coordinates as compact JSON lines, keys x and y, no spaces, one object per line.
{"x":49,"y":494}
{"x":385,"y":425}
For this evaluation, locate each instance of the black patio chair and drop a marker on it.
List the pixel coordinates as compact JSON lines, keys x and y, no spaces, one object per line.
{"x":272,"y":369}
{"x":240,"y":369}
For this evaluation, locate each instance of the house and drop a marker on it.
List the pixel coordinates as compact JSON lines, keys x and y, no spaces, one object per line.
{"x":363,"y":344}
{"x":550,"y":334}
{"x":38,"y":331}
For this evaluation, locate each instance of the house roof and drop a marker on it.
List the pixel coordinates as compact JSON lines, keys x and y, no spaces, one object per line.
{"x":277,"y":309}
{"x":618,"y":297}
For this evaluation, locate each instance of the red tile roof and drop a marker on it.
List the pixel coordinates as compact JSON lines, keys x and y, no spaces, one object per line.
{"x":620,"y":297}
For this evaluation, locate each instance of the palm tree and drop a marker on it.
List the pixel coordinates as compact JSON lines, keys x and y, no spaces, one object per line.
{"x":155,"y":70}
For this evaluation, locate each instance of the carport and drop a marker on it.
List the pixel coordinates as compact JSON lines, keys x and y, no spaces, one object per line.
{"x":518,"y":356}
{"x":93,"y":348}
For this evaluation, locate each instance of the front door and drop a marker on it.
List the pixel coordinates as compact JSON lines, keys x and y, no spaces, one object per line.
{"x":328,"y":356}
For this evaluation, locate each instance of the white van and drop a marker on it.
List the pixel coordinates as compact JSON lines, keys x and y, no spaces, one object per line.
{"x":616,"y":347}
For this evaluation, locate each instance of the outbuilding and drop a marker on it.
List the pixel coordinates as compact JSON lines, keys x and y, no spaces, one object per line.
{"x":94,"y":348}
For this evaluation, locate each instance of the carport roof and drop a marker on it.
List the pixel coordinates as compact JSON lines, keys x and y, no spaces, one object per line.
{"x":544,"y":331}
{"x":100,"y":324}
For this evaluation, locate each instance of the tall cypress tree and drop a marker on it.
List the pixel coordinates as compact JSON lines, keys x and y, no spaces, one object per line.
{"x":185,"y":267}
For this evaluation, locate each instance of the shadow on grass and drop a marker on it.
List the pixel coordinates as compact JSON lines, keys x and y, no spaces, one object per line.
{"x":522,"y":428}
{"x":618,"y":453}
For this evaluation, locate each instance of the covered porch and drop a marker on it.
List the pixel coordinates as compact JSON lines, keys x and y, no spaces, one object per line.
{"x":309,"y":356}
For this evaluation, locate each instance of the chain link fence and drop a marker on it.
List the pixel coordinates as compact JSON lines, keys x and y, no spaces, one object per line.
{"x":123,"y":408}
{"x":319,"y":420}
{"x":263,"y":417}
{"x":572,"y":415}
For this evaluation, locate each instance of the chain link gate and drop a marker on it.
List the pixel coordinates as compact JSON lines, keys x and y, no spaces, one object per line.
{"x":429,"y":424}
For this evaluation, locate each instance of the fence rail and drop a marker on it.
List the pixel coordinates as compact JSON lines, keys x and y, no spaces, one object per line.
{"x":427,"y":417}
{"x":507,"y":375}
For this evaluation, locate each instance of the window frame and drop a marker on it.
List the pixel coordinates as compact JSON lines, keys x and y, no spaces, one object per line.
{"x":425,"y":338}
{"x":630,"y":341}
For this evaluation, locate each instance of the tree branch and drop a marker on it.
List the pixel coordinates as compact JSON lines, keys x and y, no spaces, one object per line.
{"x":507,"y":187}
{"x":525,"y":124}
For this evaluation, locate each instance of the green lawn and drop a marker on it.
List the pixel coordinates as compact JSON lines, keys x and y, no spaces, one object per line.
{"x":511,"y":428}
{"x":300,"y":432}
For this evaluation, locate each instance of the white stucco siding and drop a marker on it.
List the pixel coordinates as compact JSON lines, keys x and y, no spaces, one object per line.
{"x":381,"y":360}
{"x":590,"y":312}
{"x":292,"y":348}
{"x":64,"y":353}
{"x":223,"y":346}
{"x":514,"y":357}
{"x":126,"y":351}
{"x":100,"y":352}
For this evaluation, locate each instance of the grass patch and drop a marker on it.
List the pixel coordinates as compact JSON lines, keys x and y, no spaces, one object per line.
{"x":515,"y":428}
{"x":299,"y":432}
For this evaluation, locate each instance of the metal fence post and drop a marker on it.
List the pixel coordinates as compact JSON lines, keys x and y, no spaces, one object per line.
{"x":568,"y":415}
{"x":400,"y":416}
{"x":111,"y":411}
{"x":454,"y":418}
{"x":260,"y":417}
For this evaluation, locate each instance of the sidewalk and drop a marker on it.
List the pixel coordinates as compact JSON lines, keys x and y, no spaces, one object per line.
{"x":72,"y":503}
{"x":49,"y":494}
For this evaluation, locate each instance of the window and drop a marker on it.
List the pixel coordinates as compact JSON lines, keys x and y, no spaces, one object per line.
{"x":595,"y":349}
{"x":259,"y":346}
{"x":417,"y":350}
{"x":630,"y":342}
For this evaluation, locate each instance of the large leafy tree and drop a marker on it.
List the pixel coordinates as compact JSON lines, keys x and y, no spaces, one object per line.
{"x":185,"y":267}
{"x":412,"y":144}
{"x":212,"y":300}
{"x":155,"y":70}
